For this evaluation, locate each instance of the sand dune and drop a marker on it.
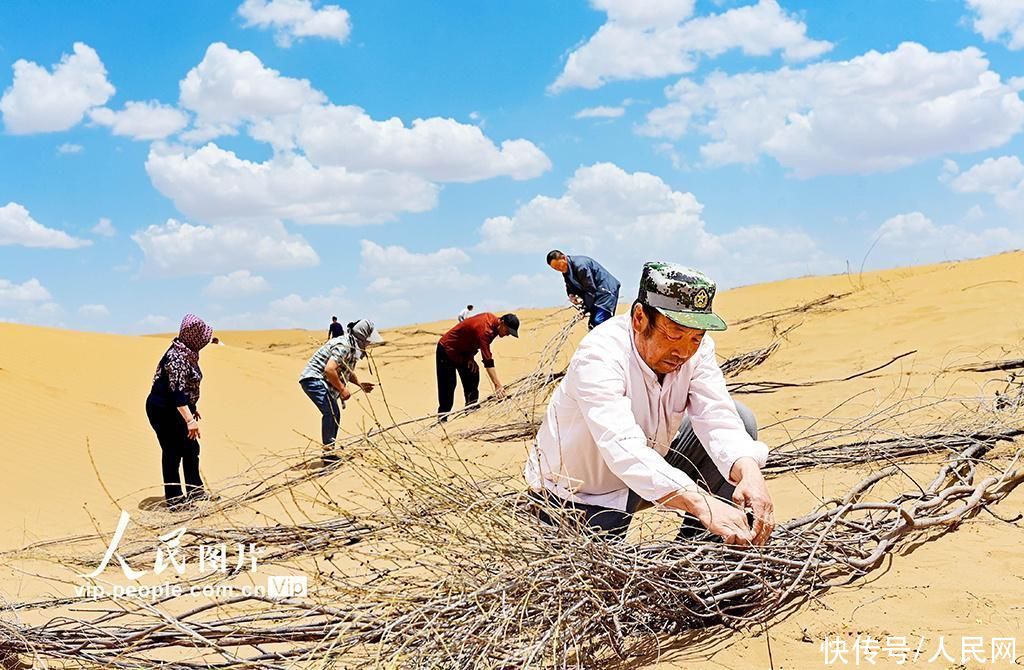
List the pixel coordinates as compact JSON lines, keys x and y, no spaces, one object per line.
{"x":79,"y":447}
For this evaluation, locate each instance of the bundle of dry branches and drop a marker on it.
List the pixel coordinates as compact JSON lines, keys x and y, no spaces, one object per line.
{"x":816,"y":305}
{"x":467,"y":577}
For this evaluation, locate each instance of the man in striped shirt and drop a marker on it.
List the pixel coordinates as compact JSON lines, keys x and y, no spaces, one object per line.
{"x":323,"y":379}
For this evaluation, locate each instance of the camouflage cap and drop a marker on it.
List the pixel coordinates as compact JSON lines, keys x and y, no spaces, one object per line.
{"x":682,"y":294}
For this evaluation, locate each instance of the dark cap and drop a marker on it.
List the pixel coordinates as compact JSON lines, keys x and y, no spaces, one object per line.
{"x":512,"y":321}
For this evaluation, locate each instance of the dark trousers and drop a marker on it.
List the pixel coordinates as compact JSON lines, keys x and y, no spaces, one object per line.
{"x":177,"y":451}
{"x":330,"y":414}
{"x":446,"y":371}
{"x":686,"y":454}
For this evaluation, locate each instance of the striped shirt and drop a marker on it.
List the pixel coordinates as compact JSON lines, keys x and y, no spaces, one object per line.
{"x":344,"y":354}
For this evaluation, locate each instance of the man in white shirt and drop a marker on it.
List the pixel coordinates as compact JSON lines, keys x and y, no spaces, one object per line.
{"x":643,"y":414}
{"x":464,"y":314}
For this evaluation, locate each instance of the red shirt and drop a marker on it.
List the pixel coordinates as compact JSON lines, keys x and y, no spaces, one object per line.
{"x":466,"y":338}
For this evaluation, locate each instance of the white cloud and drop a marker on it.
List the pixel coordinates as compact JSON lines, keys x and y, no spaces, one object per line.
{"x":995,"y":18}
{"x":1002,"y":178}
{"x":331,"y":164}
{"x":292,"y":20}
{"x":297,"y":311}
{"x":396,"y":270}
{"x":30,"y":303}
{"x":94,"y":311}
{"x":141,"y":120}
{"x":602,"y":203}
{"x":950,"y":169}
{"x":627,"y":218}
{"x":17,"y":227}
{"x":992,"y":175}
{"x":229,"y":87}
{"x":437,"y":149}
{"x":600,"y":112}
{"x":216,"y":186}
{"x":645,"y":13}
{"x":69,"y":148}
{"x":669,"y":150}
{"x":648,"y":39}
{"x":29,"y":291}
{"x":535,"y":290}
{"x":523,"y":281}
{"x":294,"y":310}
{"x":40,"y":101}
{"x":237,"y":284}
{"x":205,"y":133}
{"x":104,"y":227}
{"x":176,"y":248}
{"x":877,"y":112}
{"x":154,"y":322}
{"x":757,"y":253}
{"x":914,"y":238}
{"x":47,"y":314}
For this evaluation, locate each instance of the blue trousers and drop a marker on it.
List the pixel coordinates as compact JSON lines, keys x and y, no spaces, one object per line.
{"x":599,"y":315}
{"x":686,"y":454}
{"x":330,"y":414}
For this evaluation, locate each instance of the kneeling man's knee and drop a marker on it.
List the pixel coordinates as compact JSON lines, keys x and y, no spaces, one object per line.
{"x":748,"y":419}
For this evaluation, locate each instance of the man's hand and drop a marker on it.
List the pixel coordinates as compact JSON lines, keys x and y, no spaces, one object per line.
{"x":499,"y":388}
{"x":193,"y":429}
{"x":717,"y":516}
{"x":344,"y":393}
{"x":576,"y":300}
{"x":367,"y":386}
{"x":752,"y":493}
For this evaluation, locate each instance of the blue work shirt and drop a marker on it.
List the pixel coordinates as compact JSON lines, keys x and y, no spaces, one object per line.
{"x":589,"y":280}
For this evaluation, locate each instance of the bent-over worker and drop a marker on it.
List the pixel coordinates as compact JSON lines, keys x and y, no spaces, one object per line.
{"x":588,"y":285}
{"x":325,"y":375}
{"x":455,"y":355}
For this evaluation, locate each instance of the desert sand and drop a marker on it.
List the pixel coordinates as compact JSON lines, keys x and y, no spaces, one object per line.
{"x":78,"y":447}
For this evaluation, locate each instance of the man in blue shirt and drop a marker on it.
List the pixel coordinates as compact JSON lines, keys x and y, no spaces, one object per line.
{"x":588,"y":285}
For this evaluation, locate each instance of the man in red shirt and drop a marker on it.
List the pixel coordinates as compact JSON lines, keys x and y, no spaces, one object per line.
{"x":455,"y":352}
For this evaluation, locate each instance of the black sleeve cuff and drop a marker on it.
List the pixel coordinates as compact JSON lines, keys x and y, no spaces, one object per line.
{"x":180,"y":399}
{"x":488,"y":362}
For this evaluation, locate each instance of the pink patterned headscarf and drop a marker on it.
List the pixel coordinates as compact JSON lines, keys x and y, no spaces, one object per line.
{"x":193,"y":335}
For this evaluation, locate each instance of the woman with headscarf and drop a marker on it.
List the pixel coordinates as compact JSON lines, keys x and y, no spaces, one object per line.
{"x":171,"y":408}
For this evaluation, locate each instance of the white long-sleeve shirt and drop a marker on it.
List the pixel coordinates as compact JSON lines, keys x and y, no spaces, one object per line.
{"x":610,"y":422}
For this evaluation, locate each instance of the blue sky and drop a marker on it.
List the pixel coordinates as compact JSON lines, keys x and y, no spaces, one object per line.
{"x":268,"y":163}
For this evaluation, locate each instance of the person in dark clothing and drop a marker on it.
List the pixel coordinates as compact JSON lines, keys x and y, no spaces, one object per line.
{"x":172,"y":411}
{"x":455,"y":356}
{"x":588,"y":285}
{"x":335,"y":329}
